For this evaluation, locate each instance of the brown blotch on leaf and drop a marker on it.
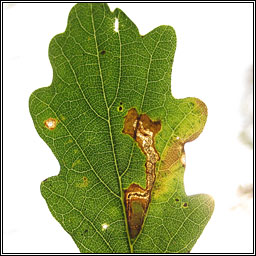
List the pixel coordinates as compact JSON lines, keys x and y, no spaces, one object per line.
{"x":130,"y":120}
{"x":143,"y":130}
{"x":50,"y":123}
{"x":136,"y":203}
{"x":102,"y":52}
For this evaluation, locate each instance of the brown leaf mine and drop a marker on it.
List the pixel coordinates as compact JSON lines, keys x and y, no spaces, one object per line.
{"x":143,"y":130}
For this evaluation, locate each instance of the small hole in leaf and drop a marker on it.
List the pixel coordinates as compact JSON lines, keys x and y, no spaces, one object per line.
{"x":177,"y":199}
{"x":103,"y":52}
{"x":191,"y":104}
{"x":185,"y":205}
{"x":85,"y":232}
{"x":121,"y":103}
{"x":120,"y":108}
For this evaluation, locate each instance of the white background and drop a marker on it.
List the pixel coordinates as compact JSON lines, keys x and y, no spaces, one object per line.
{"x":212,"y":62}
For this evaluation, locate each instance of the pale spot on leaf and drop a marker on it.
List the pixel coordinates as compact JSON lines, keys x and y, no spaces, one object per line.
{"x":104,"y":226}
{"x":50,"y":123}
{"x":183,"y":159}
{"x":78,"y":161}
{"x":116,"y":25}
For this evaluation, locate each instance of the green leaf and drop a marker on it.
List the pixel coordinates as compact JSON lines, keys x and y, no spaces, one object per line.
{"x":118,"y":134}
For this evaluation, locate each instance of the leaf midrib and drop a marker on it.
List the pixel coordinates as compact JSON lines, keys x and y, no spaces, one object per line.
{"x":109,"y":125}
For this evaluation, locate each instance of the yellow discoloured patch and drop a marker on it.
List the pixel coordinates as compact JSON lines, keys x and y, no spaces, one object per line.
{"x":83,"y":184}
{"x":62,"y":117}
{"x":78,"y":161}
{"x":171,"y":168}
{"x":167,"y":181}
{"x":51,"y":123}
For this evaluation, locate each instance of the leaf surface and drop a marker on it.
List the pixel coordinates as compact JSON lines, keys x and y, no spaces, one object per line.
{"x":99,"y":74}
